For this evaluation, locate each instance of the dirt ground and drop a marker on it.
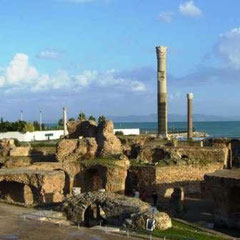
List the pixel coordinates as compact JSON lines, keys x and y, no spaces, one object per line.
{"x":14,"y":227}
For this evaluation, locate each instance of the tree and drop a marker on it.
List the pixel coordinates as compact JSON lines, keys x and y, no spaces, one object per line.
{"x":43,"y":126}
{"x":71,"y":119}
{"x":28,"y":127}
{"x":36,"y":125}
{"x":102,"y":119}
{"x":82,"y":116}
{"x":60,"y":122}
{"x":92,"y":118}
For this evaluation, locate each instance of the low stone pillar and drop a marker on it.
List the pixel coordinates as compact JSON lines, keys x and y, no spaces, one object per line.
{"x":65,"y":131}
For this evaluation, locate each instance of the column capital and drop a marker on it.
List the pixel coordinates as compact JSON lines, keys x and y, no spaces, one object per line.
{"x":161,"y":51}
{"x":190,"y":96}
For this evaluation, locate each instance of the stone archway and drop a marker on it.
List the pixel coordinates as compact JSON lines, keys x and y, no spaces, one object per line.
{"x":94,"y":179}
{"x":91,"y":215}
{"x":91,"y":179}
{"x":16,"y":192}
{"x":131,"y":182}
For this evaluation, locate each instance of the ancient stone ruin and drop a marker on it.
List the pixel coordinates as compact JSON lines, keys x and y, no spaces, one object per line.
{"x":108,"y":208}
{"x":92,"y":158}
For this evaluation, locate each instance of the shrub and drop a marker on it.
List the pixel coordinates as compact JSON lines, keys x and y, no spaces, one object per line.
{"x":119,"y":133}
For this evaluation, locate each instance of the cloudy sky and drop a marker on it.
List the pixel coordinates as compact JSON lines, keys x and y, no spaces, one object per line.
{"x":98,"y":56}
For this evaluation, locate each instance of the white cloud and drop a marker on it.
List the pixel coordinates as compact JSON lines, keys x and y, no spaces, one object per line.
{"x":189,"y":9}
{"x":50,"y":54}
{"x":228,"y":48}
{"x":19,"y":71}
{"x":85,"y":78}
{"x":166,"y":16}
{"x":20,"y":74}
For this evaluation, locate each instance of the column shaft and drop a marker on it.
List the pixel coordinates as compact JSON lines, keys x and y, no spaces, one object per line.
{"x":65,"y":132}
{"x":189,"y":115}
{"x":162,"y":92}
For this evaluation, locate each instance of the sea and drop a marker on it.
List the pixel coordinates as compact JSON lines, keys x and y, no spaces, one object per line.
{"x":216,"y":129}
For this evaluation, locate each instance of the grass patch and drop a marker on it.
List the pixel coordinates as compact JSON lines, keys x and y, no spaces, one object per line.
{"x":51,"y":143}
{"x":135,"y":163}
{"x":181,"y":231}
{"x":108,"y":162}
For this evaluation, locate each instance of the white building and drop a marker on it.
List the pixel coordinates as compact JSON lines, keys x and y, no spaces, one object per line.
{"x":52,"y":134}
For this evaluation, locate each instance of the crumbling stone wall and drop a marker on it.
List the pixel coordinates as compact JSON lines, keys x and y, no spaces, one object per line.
{"x":223,"y":187}
{"x":46,"y":186}
{"x":161,"y":178}
{"x":183,"y":155}
{"x":107,"y":142}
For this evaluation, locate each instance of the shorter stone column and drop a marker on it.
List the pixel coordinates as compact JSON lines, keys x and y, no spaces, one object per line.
{"x":65,"y":131}
{"x":189,"y":116}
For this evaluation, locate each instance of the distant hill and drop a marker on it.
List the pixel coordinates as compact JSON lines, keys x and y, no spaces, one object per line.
{"x":172,"y":118}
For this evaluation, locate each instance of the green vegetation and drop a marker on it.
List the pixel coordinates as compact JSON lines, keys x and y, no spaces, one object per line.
{"x":51,"y":143}
{"x":92,"y":118}
{"x":28,"y":127}
{"x":82,"y":116}
{"x":18,"y":126}
{"x":102,"y":119}
{"x":182,"y":231}
{"x":119,"y":133}
{"x":37,"y":126}
{"x":60,"y":122}
{"x":135,"y":163}
{"x":108,"y":162}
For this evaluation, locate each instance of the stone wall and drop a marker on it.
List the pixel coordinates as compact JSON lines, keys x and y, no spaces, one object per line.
{"x":183,"y":155}
{"x":42,"y":186}
{"x":20,"y":151}
{"x":148,"y":178}
{"x":223,"y":187}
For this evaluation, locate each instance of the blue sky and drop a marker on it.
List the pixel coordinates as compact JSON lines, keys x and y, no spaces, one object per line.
{"x":98,"y":56}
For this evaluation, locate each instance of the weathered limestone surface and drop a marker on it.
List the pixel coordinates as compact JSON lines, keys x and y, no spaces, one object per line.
{"x":8,"y":148}
{"x":6,"y":145}
{"x":116,"y":209}
{"x":46,"y":185}
{"x":14,"y":162}
{"x":109,"y":174}
{"x":69,"y":150}
{"x":162,"y":178}
{"x":20,"y":151}
{"x":108,"y":143}
{"x":162,"y":220}
{"x":98,"y":141}
{"x":79,"y":128}
{"x":132,"y":145}
{"x":223,"y":187}
{"x":183,"y":155}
